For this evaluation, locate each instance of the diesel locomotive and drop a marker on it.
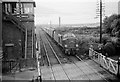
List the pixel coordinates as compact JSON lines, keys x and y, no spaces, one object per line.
{"x":67,"y":41}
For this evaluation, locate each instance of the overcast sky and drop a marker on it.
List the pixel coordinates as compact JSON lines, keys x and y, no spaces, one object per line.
{"x":71,"y":11}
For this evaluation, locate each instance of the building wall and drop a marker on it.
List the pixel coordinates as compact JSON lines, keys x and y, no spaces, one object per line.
{"x":30,"y":39}
{"x":119,"y":7}
{"x":0,"y":25}
{"x":29,"y":25}
{"x":13,"y":41}
{"x":0,"y":40}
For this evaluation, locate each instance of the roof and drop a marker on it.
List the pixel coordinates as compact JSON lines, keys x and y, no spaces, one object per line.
{"x":18,"y":0}
{"x":68,"y":35}
{"x":22,"y":1}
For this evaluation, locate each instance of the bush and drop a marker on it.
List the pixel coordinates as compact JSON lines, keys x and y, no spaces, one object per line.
{"x":85,"y":42}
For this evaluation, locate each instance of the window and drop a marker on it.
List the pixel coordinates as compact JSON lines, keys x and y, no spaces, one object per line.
{"x":19,"y":8}
{"x":28,"y":8}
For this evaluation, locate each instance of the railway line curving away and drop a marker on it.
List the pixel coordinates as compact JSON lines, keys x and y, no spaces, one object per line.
{"x":75,"y":67}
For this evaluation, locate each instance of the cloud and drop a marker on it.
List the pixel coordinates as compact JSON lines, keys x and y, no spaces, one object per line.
{"x":75,"y":0}
{"x":70,"y":11}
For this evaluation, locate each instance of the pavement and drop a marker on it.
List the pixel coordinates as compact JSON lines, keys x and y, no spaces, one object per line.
{"x":24,"y":75}
{"x":77,"y":71}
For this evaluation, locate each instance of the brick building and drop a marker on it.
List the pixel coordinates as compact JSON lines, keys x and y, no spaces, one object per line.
{"x":18,"y":36}
{"x":118,"y":7}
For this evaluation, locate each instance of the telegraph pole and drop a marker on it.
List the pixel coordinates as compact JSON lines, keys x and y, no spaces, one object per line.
{"x":100,"y":12}
{"x":100,"y":21}
{"x":1,"y":54}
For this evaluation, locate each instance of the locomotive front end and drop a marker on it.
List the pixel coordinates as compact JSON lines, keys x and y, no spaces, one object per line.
{"x":70,"y":44}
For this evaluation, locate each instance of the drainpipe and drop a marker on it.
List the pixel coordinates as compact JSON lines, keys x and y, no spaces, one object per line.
{"x":26,"y":43}
{"x":32,"y":41}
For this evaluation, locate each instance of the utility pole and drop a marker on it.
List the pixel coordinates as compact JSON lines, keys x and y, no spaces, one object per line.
{"x":1,"y":54}
{"x":100,"y":21}
{"x":100,"y":12}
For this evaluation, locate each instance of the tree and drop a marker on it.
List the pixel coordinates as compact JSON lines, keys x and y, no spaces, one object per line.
{"x":116,"y":26}
{"x":111,"y":24}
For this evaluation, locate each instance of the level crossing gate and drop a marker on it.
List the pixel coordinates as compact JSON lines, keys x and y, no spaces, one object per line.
{"x":107,"y":63}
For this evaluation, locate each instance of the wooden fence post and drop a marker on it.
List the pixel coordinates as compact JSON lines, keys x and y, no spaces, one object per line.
{"x":118,"y":74}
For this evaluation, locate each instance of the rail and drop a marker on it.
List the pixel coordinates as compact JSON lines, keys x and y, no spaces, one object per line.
{"x":54,"y":52}
{"x":107,"y":63}
{"x":49,"y":63}
{"x":57,"y":56}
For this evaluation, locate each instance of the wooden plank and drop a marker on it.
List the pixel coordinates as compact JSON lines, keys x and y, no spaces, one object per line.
{"x":74,"y":72}
{"x":46,"y":73}
{"x":89,"y":71}
{"x":59,"y":73}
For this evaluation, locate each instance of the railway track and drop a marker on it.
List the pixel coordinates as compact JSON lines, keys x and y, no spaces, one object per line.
{"x":60,"y":55}
{"x":91,"y":69}
{"x":44,"y":60}
{"x":50,"y":64}
{"x":50,"y":50}
{"x":55,"y":55}
{"x":74,"y":65}
{"x":73,"y":62}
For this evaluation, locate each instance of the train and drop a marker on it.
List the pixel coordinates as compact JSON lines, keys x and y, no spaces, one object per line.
{"x":68,"y":41}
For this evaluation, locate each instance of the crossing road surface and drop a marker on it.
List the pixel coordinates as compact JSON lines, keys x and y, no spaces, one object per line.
{"x":77,"y":71}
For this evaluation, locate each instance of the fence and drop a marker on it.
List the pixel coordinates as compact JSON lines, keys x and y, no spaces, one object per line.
{"x":18,"y":65}
{"x":109,"y":64}
{"x":8,"y":65}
